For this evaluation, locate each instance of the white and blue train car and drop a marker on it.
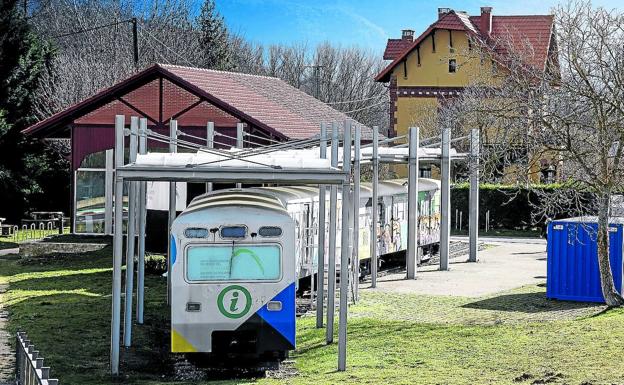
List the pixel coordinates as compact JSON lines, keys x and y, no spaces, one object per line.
{"x":233,"y":277}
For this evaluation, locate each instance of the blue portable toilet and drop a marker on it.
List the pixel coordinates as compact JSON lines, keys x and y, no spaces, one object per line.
{"x":573,"y":273}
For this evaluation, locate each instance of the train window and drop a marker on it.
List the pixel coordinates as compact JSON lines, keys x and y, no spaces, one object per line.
{"x":233,"y":263}
{"x":270,"y":231}
{"x":194,"y":232}
{"x":233,"y":231}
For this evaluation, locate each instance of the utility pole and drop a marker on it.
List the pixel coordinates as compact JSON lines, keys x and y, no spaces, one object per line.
{"x":317,"y":86}
{"x":135,"y":42}
{"x":317,"y":79}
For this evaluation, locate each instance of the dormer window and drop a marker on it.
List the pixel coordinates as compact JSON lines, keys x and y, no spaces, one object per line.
{"x":452,"y":66}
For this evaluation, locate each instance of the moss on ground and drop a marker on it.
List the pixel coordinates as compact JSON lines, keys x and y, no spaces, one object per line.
{"x":517,"y":337}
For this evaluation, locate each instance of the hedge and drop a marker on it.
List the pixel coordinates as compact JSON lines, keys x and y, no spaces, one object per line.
{"x":510,"y":207}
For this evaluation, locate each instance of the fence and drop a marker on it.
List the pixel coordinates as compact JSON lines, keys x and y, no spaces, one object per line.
{"x":33,"y":231}
{"x":29,"y":369}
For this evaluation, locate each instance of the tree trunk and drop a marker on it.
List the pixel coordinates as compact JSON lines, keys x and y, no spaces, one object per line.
{"x":612,"y":298}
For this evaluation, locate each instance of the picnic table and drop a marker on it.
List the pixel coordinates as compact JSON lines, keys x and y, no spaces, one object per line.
{"x":5,"y":230}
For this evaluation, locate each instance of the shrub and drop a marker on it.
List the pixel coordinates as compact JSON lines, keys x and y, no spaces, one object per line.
{"x":155,"y":264}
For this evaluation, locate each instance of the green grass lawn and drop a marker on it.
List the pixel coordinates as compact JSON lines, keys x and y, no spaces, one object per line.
{"x":516,"y":337}
{"x":13,"y":241}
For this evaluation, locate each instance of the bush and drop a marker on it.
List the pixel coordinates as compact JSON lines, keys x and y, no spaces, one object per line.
{"x":155,"y":264}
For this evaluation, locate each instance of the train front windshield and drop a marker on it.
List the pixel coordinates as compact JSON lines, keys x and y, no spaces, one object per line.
{"x":233,"y":263}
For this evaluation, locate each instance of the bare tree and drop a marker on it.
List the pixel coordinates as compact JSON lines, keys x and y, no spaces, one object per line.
{"x":96,"y":51}
{"x":566,"y":118}
{"x":94,"y":47}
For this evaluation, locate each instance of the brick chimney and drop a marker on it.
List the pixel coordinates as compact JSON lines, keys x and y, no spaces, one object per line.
{"x":407,"y":34}
{"x":486,"y":21}
{"x":443,"y":11}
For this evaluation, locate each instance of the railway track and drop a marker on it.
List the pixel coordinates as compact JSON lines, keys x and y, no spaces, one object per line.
{"x":457,"y":249}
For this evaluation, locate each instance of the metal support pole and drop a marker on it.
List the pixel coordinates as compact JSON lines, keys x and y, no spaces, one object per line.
{"x":209,"y":144}
{"x":331,"y":278}
{"x":173,"y":147}
{"x":412,"y":204}
{"x":473,"y":225}
{"x":120,"y":122}
{"x":356,"y":212}
{"x":142,"y":219}
{"x":108,"y":192}
{"x":320,"y":275}
{"x":374,"y":207}
{"x":239,"y":143}
{"x":344,"y":253}
{"x":130,"y":238}
{"x":445,"y":195}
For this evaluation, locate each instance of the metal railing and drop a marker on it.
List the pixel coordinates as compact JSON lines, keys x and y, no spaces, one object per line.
{"x":29,"y":369}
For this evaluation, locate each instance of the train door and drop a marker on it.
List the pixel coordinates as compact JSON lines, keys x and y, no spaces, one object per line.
{"x":306,"y":235}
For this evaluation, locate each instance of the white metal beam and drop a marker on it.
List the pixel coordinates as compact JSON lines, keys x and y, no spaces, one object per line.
{"x":473,"y":227}
{"x":412,"y":204}
{"x":130,"y":238}
{"x":331,"y":274}
{"x":142,"y":222}
{"x":445,"y":196}
{"x":320,"y":271}
{"x":344,"y":254}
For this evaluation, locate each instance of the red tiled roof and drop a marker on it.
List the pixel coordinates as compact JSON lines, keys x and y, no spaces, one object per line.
{"x":265,"y":102}
{"x":395,"y":47}
{"x":265,"y":99}
{"x":523,"y":32}
{"x":534,"y":29}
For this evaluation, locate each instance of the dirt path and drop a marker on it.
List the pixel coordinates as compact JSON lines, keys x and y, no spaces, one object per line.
{"x":7,"y":370}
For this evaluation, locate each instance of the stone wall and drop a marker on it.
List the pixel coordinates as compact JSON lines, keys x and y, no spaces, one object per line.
{"x":34,"y":249}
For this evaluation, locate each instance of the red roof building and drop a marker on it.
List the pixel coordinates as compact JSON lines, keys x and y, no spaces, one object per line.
{"x":268,"y":107}
{"x":437,"y":65}
{"x":533,"y":30}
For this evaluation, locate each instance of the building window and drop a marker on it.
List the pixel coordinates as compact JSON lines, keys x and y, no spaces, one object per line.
{"x":452,"y":65}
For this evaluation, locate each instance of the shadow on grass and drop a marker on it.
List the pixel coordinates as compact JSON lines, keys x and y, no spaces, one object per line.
{"x":66,"y":311}
{"x":526,"y":303}
{"x":8,"y":245}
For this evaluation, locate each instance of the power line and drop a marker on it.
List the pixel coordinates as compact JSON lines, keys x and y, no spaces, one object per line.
{"x":354,"y":101}
{"x":364,"y":108}
{"x":144,"y":29}
{"x":92,"y":29}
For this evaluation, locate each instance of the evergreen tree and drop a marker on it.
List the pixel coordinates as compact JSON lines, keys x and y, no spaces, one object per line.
{"x":214,"y":38}
{"x":23,"y":162}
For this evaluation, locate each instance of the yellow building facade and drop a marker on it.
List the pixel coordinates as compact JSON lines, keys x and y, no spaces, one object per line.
{"x":432,"y":69}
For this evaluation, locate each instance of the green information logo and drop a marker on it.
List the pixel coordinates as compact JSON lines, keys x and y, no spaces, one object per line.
{"x":234,"y":301}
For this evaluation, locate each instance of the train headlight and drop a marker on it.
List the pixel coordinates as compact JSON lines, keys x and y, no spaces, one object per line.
{"x":234,"y":231}
{"x":193,"y":306}
{"x":270,"y":231}
{"x":274,"y":306}
{"x":195,"y":232}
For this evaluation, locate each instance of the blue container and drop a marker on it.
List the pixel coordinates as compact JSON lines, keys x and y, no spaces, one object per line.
{"x":573,"y":273}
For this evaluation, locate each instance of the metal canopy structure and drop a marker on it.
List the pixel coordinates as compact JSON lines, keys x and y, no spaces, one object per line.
{"x":296,"y":162}
{"x":137,"y":174}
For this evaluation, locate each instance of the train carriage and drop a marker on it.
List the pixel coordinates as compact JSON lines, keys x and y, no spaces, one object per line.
{"x":233,"y":277}
{"x":302,"y":205}
{"x":238,"y":256}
